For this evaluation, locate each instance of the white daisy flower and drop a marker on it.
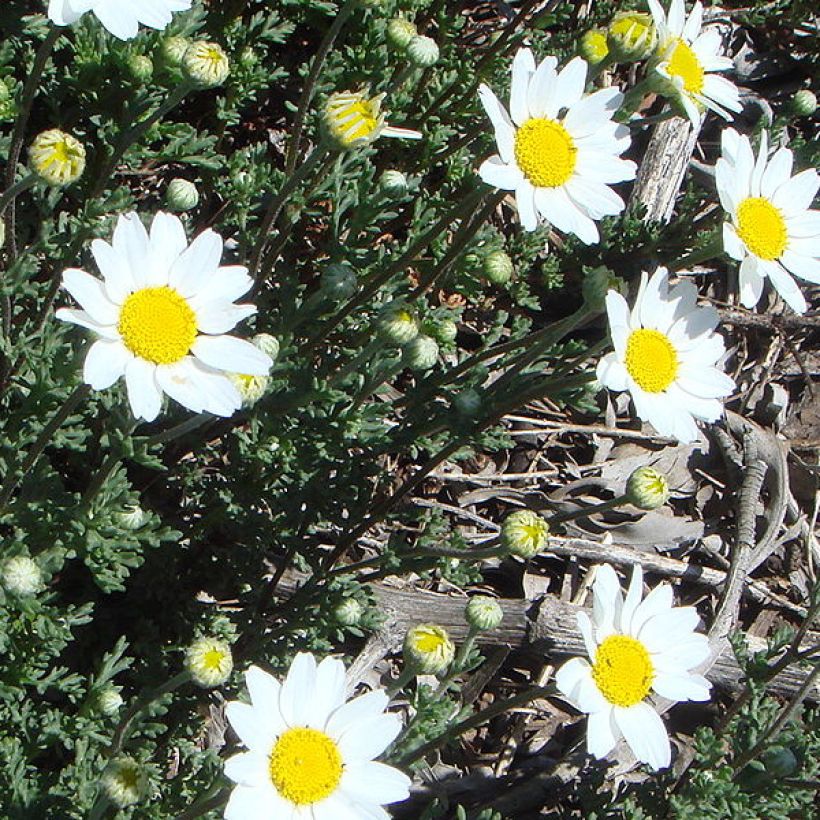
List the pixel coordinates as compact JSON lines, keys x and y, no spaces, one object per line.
{"x":771,"y":232}
{"x":635,"y":647}
{"x":665,"y":355}
{"x":120,"y":17}
{"x":311,"y":755}
{"x":686,"y":59}
{"x":560,"y":165}
{"x":162,"y":314}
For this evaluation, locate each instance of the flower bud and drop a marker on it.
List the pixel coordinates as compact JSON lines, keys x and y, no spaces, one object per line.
{"x":428,"y":649}
{"x":445,"y":331}
{"x":124,"y":782}
{"x":483,"y":612}
{"x":248,"y":57}
{"x":206,"y":65}
{"x":181,"y":195}
{"x":131,"y":518}
{"x":779,"y":761}
{"x":348,"y":612}
{"x":400,"y":32}
{"x":524,"y":533}
{"x":109,"y":701}
{"x":631,"y":37}
{"x":209,"y":662}
{"x":468,"y":402}
{"x":172,"y":50}
{"x":804,"y":103}
{"x":498,"y":267}
{"x":338,"y":281}
{"x":268,"y":344}
{"x":393,"y":183}
{"x":56,"y":157}
{"x":647,"y":489}
{"x":141,"y":68}
{"x":21,"y":575}
{"x":352,"y":118}
{"x":420,"y":353}
{"x":6,"y":102}
{"x":422,"y":51}
{"x":597,"y":283}
{"x":593,"y":47}
{"x":397,"y":326}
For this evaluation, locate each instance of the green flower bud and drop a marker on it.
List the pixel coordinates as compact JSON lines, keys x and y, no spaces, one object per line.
{"x":804,"y":103}
{"x":338,"y":281}
{"x":400,"y":32}
{"x":422,"y":51}
{"x":631,"y":37}
{"x":7,"y":111}
{"x":57,"y":158}
{"x":597,"y":283}
{"x":498,"y":267}
{"x":647,"y":489}
{"x":248,"y":57}
{"x":348,"y":612}
{"x":131,"y":518}
{"x":109,"y":701}
{"x":779,"y":761}
{"x":397,"y":326}
{"x":21,"y":576}
{"x":141,"y":68}
{"x":181,"y":195}
{"x":420,"y":353}
{"x":428,"y":649}
{"x":593,"y":47}
{"x":268,"y":344}
{"x":445,"y":331}
{"x":206,"y":64}
{"x":124,"y":782}
{"x":172,"y":50}
{"x":393,"y":183}
{"x":483,"y":612}
{"x":209,"y":662}
{"x":468,"y":402}
{"x":524,"y":533}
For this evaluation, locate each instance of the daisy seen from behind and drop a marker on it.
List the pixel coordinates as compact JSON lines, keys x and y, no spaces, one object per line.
{"x":771,"y":229}
{"x":162,"y":313}
{"x":121,"y":17}
{"x":558,"y":148}
{"x":635,"y":647}
{"x":311,"y":755}
{"x":665,"y":356}
{"x":687,"y":59}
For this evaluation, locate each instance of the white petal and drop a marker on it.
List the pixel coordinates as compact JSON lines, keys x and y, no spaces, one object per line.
{"x":81,"y":318}
{"x":64,"y":12}
{"x":195,"y":264}
{"x":130,"y":241}
{"x":692,"y":27}
{"x":607,"y":601}
{"x":751,"y":282}
{"x":231,"y":354}
{"x":523,"y":67}
{"x":502,"y":124}
{"x":370,"y":738}
{"x":297,"y":690}
{"x":220,"y":317}
{"x":569,"y":86}
{"x":120,"y":20}
{"x":330,"y":691}
{"x":658,"y":601}
{"x":494,"y":171}
{"x":732,"y":243}
{"x":91,"y":295}
{"x":602,"y":733}
{"x":797,"y":195}
{"x":585,"y":116}
{"x":588,"y":633}
{"x":167,"y":241}
{"x":705,"y":382}
{"x":542,"y":89}
{"x":359,"y":709}
{"x":337,"y":806}
{"x":218,"y":393}
{"x":559,"y":210}
{"x":525,"y":202}
{"x":777,"y":172}
{"x":264,"y":690}
{"x":105,"y":363}
{"x":645,"y":733}
{"x":633,"y":598}
{"x":612,"y":374}
{"x":247,"y":768}
{"x":662,"y":630}
{"x":253,"y":732}
{"x":115,"y":270}
{"x":144,"y":394}
{"x":680,"y":687}
{"x":594,"y":198}
{"x":805,"y":267}
{"x":257,"y":803}
{"x":785,"y":285}
{"x":374,"y":782}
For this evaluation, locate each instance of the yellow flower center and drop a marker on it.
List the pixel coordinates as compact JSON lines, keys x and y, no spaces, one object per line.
{"x":157,"y":324}
{"x":428,"y":641}
{"x":623,"y":670}
{"x":651,"y":360}
{"x":214,"y":659}
{"x":762,"y":228}
{"x":305,"y":766}
{"x":353,"y":117}
{"x":545,"y":152}
{"x":684,"y":64}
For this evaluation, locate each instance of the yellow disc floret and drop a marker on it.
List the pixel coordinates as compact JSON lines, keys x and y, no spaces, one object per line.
{"x":623,"y":670}
{"x":157,"y":324}
{"x":545,"y":152}
{"x":305,"y":766}
{"x":762,"y":228}
{"x":651,"y":360}
{"x":684,"y":64}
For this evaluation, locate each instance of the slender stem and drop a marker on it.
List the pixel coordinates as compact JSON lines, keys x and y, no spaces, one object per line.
{"x":458,"y":661}
{"x":310,"y":84}
{"x":180,"y":429}
{"x":366,"y":354}
{"x":405,"y":676}
{"x":278,"y":202}
{"x":15,"y":476}
{"x":22,"y":184}
{"x":472,"y":722}
{"x":464,"y":555}
{"x":583,"y":512}
{"x":712,"y":249}
{"x":205,"y":804}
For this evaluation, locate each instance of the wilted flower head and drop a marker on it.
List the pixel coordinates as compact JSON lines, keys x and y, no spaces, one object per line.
{"x":122,"y":19}
{"x":428,"y":649}
{"x":56,"y":157}
{"x":354,"y":118}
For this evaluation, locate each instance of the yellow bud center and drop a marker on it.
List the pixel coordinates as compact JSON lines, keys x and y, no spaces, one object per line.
{"x":305,"y":766}
{"x":213,"y":659}
{"x":353,"y":117}
{"x":429,"y":641}
{"x":651,"y":360}
{"x":684,"y":64}
{"x":623,"y":670}
{"x":545,"y":152}
{"x":157,"y":324}
{"x":762,"y":228}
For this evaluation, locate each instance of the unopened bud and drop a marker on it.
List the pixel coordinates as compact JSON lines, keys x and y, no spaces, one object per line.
{"x":397,"y":326}
{"x":393,"y":183}
{"x":141,"y":68}
{"x":124,"y":782}
{"x":593,"y":46}
{"x":804,"y":103}
{"x":524,"y":533}
{"x":172,"y":50}
{"x":420,"y":353}
{"x":428,"y":649}
{"x":206,"y":64}
{"x":631,"y":37}
{"x":21,"y":575}
{"x":56,"y":157}
{"x":498,"y":267}
{"x":423,"y":51}
{"x":181,"y":195}
{"x":338,"y":281}
{"x":483,"y":612}
{"x":348,"y":612}
{"x":647,"y":489}
{"x":400,"y":32}
{"x":209,"y":662}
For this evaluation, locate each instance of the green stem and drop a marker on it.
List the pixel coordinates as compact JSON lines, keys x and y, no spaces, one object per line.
{"x":366,"y":354}
{"x":22,"y":184}
{"x":712,"y":249}
{"x":309,"y":88}
{"x":213,"y":800}
{"x":181,"y":429}
{"x":583,"y":512}
{"x":405,"y":676}
{"x":374,"y":382}
{"x":465,"y":555}
{"x":15,"y":475}
{"x":472,"y":722}
{"x":459,"y":660}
